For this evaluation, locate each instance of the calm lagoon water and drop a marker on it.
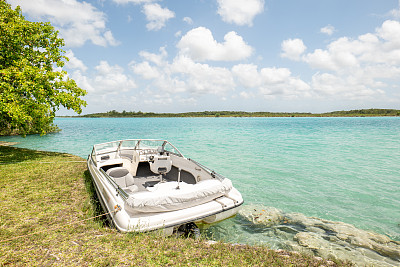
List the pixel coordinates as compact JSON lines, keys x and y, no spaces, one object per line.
{"x":340,"y":169}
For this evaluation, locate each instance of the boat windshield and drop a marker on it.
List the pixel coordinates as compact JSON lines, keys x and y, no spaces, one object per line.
{"x":106,"y":147}
{"x":137,"y":144}
{"x":156,"y":144}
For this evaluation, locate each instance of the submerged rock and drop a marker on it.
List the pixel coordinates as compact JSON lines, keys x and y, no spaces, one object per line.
{"x":324,"y":238}
{"x":267,"y":216}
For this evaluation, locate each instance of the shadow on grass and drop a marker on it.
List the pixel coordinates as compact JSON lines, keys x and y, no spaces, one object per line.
{"x":95,"y":202}
{"x":10,"y":155}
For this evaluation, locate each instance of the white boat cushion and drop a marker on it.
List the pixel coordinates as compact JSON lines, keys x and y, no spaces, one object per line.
{"x":131,"y":189}
{"x":120,"y":182}
{"x":122,"y":177}
{"x":165,"y":196}
{"x":117,"y":172}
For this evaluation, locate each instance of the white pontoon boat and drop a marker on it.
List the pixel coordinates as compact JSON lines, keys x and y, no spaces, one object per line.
{"x":148,"y":184}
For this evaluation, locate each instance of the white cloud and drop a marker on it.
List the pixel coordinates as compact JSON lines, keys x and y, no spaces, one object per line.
{"x":158,"y":99}
{"x":112,"y":79}
{"x":395,"y":13}
{"x":247,"y":75}
{"x":110,"y":38}
{"x":246,"y":95}
{"x":199,"y":44}
{"x":271,"y":81}
{"x":157,"y":16}
{"x":132,"y":1}
{"x":145,"y":70}
{"x":345,"y":54}
{"x":389,"y":32}
{"x":358,"y":68}
{"x":78,"y":22}
{"x":183,"y":75}
{"x":188,"y":20}
{"x":74,"y":63}
{"x":240,"y":12}
{"x":293,"y":49}
{"x":178,"y":34}
{"x":82,"y":81}
{"x":203,"y":78}
{"x":329,"y":30}
{"x":157,"y":59}
{"x":342,"y":87}
{"x":107,"y":80}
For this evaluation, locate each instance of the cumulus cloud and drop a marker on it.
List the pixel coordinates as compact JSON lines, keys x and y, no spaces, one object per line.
{"x":345,"y":54}
{"x":158,"y":59}
{"x":82,"y":81}
{"x":78,"y":22}
{"x":240,"y":12}
{"x":246,"y":95}
{"x":395,"y":13}
{"x":183,"y":75}
{"x":247,"y":75}
{"x":145,"y":70}
{"x":203,"y":78}
{"x":200,"y":45}
{"x":74,"y":62}
{"x":107,"y":80}
{"x":157,"y":16}
{"x":356,"y":68}
{"x":271,"y":81}
{"x":293,"y":49}
{"x":329,"y":30}
{"x":112,"y":78}
{"x":342,"y":87}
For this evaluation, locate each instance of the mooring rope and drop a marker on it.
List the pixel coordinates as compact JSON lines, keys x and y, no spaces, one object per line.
{"x":116,"y":209}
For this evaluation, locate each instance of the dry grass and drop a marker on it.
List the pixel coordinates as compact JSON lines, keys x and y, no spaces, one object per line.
{"x":37,"y":196}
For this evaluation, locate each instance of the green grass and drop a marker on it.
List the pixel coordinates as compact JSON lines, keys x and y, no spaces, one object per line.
{"x":42,"y":192}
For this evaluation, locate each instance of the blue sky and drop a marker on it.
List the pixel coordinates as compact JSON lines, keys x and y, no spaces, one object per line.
{"x":250,"y":55}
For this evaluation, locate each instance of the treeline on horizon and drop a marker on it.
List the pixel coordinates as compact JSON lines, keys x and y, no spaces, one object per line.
{"x":350,"y":113}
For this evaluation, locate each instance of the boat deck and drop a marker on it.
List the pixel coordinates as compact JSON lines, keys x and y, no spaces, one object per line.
{"x":145,"y":178}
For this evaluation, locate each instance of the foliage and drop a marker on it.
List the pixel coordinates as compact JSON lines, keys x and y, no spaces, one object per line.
{"x":32,"y":83}
{"x":351,"y":113}
{"x":45,"y":190}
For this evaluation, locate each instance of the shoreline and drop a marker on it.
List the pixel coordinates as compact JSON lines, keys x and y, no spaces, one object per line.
{"x":139,"y":114}
{"x":310,"y":243}
{"x":76,"y":200}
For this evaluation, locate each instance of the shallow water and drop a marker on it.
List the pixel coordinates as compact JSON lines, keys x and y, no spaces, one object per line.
{"x":339,"y":169}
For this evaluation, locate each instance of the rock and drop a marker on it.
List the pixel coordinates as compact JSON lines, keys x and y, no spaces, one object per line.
{"x":267,"y":216}
{"x":315,"y":230}
{"x":309,"y":240}
{"x":324,"y":238}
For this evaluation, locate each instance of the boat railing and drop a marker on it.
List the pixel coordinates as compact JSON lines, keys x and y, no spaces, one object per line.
{"x":119,"y":190}
{"x":210,"y":171}
{"x":115,"y":146}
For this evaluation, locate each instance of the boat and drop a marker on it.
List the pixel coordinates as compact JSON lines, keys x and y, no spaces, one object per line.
{"x":147,"y":184}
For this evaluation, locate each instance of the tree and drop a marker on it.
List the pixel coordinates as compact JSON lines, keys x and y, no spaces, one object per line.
{"x":32,"y":83}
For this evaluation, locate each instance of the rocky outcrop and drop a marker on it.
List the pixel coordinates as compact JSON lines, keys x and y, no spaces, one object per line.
{"x":326,"y":238}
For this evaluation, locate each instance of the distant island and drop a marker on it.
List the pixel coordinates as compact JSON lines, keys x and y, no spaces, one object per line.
{"x":351,"y":113}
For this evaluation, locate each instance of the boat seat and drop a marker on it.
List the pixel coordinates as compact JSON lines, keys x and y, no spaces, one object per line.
{"x":161,"y":164}
{"x":123,"y":179}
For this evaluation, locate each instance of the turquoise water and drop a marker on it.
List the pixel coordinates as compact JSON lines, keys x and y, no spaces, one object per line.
{"x":340,"y":169}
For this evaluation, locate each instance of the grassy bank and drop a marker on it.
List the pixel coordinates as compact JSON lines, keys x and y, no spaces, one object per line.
{"x":43,"y":192}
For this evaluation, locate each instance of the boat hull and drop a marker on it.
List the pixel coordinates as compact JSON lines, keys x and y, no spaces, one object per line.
{"x":127,"y":220}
